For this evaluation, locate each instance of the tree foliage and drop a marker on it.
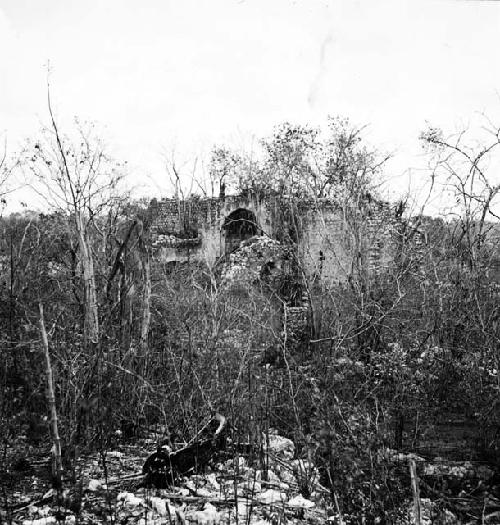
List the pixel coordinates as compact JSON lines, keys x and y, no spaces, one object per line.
{"x":304,"y":161}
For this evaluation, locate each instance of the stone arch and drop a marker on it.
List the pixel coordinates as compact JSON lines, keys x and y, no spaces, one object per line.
{"x":239,"y":225}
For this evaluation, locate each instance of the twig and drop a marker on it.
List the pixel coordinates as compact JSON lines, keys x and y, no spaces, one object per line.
{"x":415,"y":491}
{"x":51,"y":400}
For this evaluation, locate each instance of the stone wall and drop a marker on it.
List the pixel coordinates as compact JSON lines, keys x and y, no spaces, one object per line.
{"x":325,"y":247}
{"x":332,"y":242}
{"x":193,"y":229}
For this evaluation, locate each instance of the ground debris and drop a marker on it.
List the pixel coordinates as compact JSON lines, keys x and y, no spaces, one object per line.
{"x":229,"y":490}
{"x":254,"y":489}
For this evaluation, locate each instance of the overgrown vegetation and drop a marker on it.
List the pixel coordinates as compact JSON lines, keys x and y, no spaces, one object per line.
{"x":135,"y":343}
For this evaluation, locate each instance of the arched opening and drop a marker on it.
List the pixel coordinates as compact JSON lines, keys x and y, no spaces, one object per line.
{"x":239,"y":225}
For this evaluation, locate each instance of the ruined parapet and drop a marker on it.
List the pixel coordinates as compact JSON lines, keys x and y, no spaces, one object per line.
{"x":205,"y":229}
{"x":181,"y":230}
{"x":182,"y":217}
{"x":331,"y":243}
{"x":338,"y":242}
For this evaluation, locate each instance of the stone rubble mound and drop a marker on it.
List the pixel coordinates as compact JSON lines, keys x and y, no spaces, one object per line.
{"x":257,"y":258}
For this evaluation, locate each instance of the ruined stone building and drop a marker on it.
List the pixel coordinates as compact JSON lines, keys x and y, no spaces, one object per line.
{"x":331,"y":243}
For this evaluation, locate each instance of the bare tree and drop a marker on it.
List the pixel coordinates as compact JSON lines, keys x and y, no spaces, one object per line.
{"x":4,"y":172}
{"x":463,"y":167}
{"x":181,"y":173}
{"x":76,"y":176}
{"x":7,"y":166}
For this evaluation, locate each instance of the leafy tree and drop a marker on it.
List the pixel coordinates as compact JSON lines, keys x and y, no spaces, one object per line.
{"x":306,"y":162}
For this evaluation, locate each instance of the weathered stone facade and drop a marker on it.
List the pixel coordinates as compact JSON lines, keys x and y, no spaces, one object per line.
{"x":331,"y":243}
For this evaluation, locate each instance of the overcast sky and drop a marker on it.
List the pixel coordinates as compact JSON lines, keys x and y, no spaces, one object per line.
{"x":186,"y":73}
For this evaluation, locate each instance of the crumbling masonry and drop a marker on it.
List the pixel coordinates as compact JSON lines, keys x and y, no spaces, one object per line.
{"x":331,"y":243}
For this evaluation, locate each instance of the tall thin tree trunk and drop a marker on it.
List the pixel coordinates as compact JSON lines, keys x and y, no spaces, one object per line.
{"x":12,"y":306}
{"x":146,"y":301}
{"x":51,"y":400}
{"x":91,"y":321}
{"x":127,"y":292}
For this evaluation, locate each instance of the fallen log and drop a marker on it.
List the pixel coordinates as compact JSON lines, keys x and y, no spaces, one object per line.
{"x":164,"y":468}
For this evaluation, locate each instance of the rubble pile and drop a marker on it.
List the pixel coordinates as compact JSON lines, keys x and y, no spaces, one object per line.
{"x":258,"y":258}
{"x":231,"y":491}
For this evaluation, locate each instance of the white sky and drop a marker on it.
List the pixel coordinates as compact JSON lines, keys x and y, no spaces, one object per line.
{"x":187,"y":74}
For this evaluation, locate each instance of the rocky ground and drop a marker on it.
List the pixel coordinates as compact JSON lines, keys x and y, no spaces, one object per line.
{"x":107,"y":489}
